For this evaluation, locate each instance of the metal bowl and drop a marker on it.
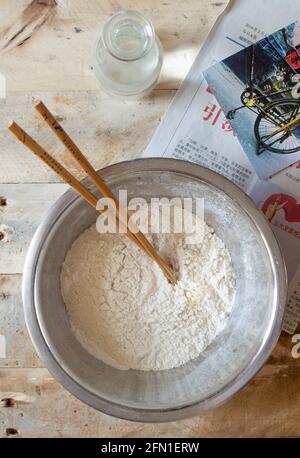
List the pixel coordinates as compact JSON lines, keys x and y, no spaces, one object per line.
{"x":227,"y":364}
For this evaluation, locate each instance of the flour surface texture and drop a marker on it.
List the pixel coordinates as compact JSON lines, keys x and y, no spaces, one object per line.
{"x":123,"y":310}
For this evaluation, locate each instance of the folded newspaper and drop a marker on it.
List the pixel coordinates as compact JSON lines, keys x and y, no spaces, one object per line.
{"x":196,"y":128}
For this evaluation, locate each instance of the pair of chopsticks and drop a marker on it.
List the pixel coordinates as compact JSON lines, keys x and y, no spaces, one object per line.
{"x":131,"y":230}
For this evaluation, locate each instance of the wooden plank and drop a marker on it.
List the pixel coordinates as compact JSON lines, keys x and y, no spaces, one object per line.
{"x":19,"y":350}
{"x":46,"y":52}
{"x":35,"y":405}
{"x":30,"y":19}
{"x":106,"y":129}
{"x":41,"y":36}
{"x":24,"y":206}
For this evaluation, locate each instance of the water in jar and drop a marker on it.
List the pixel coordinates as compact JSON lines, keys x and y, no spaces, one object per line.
{"x":128,"y":55}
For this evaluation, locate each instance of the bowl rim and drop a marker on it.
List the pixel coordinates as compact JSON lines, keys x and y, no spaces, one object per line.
{"x":174,"y":413}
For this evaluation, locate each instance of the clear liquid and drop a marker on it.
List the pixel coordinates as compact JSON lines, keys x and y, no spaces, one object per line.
{"x":130,"y":40}
{"x":128,"y":57}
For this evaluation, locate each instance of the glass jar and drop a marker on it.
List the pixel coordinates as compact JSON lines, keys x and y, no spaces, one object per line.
{"x":128,"y":56}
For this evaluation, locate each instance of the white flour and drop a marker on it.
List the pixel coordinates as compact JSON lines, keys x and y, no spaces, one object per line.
{"x":124,"y":311}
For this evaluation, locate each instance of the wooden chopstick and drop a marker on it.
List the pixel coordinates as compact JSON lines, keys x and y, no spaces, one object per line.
{"x":40,"y":152}
{"x":100,"y":184}
{"x":86,"y":166}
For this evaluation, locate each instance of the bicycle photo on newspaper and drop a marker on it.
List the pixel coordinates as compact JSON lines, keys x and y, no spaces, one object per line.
{"x":258,"y":89}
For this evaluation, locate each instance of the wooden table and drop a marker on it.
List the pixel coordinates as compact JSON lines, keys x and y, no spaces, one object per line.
{"x":45,"y":50}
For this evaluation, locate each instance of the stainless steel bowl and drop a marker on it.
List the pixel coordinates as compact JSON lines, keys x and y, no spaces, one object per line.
{"x":228,"y":363}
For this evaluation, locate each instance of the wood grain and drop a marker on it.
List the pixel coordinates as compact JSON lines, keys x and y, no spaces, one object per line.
{"x":29,"y":20}
{"x":106,"y":130}
{"x":48,"y":56}
{"x":19,"y":350}
{"x":25,"y":206}
{"x":71,"y":30}
{"x":267,"y":407}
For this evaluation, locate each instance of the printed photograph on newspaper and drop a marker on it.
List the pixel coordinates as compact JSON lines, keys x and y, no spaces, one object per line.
{"x":258,"y":89}
{"x":282,"y":209}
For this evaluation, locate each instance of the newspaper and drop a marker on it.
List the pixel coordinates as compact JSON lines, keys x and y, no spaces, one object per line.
{"x":258,"y":90}
{"x":196,"y":129}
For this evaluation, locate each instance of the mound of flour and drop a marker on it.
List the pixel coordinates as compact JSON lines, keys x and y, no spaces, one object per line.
{"x":123,"y":310}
